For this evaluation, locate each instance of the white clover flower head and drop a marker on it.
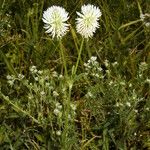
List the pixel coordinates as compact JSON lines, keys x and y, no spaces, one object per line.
{"x":87,"y":22}
{"x":55,"y":18}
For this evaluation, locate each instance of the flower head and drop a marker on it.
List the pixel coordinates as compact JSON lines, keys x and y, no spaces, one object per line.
{"x":87,"y":22}
{"x":55,"y":18}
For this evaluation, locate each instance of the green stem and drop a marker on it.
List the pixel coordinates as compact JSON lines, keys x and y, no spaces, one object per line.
{"x":88,"y":48}
{"x":66,"y":124}
{"x":17,"y":108}
{"x":79,"y":56}
{"x":8,"y":64}
{"x":63,"y":57}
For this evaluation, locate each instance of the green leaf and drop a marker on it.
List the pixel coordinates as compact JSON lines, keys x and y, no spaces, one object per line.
{"x":39,"y":137}
{"x":9,"y":65}
{"x":130,"y":23}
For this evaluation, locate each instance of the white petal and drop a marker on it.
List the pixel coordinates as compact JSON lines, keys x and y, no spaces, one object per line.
{"x":87,"y":22}
{"x":55,"y":18}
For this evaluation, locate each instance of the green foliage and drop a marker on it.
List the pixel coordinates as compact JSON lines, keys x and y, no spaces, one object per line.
{"x":74,"y":94}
